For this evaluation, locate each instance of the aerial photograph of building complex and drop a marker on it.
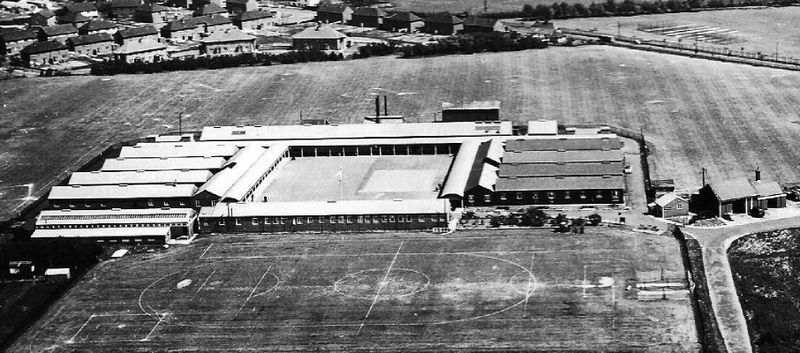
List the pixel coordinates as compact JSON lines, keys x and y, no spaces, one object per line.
{"x":399,"y":175}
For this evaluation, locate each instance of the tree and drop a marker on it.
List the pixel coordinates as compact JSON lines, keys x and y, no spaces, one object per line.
{"x":528,"y":10}
{"x":542,"y":12}
{"x":596,"y":10}
{"x":567,"y":10}
{"x":594,"y":219}
{"x":629,"y":7}
{"x":611,"y":6}
{"x":580,"y":10}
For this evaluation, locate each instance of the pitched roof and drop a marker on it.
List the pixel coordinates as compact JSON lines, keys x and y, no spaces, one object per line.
{"x":151,"y":7}
{"x":213,"y":20}
{"x":59,"y":30}
{"x":82,"y":218}
{"x":569,"y":169}
{"x":583,"y":156}
{"x":563,"y":143}
{"x":181,"y":149}
{"x":209,"y":9}
{"x":101,"y":192}
{"x":767,"y":188}
{"x":43,"y":47}
{"x":462,"y":169}
{"x":140,"y":177}
{"x":253,"y":15}
{"x":404,"y":16}
{"x":233,"y":170}
{"x":319,"y":32}
{"x":14,"y":36}
{"x":238,"y":2}
{"x":475,"y":21}
{"x":332,"y":8}
{"x":666,"y":199}
{"x":73,"y":17}
{"x":80,"y":7}
{"x":90,"y":38}
{"x":97,"y":25}
{"x":137,"y":31}
{"x":118,"y":4}
{"x":46,"y":13}
{"x":733,"y":189}
{"x":444,"y":19}
{"x":565,"y":183}
{"x":369,"y":12}
{"x":124,"y":232}
{"x":230,"y":35}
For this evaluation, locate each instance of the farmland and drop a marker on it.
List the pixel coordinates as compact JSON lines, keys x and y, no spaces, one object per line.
{"x":514,"y":290}
{"x":725,"y":117}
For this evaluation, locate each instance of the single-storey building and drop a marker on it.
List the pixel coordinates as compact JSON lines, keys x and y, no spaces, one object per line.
{"x":740,"y":195}
{"x":669,"y":205}
{"x":97,"y":26}
{"x":229,"y":42}
{"x":131,"y":34}
{"x":12,"y":42}
{"x":319,"y":38}
{"x":121,"y":196}
{"x":474,"y":24}
{"x":332,"y":13}
{"x":44,"y":53}
{"x":239,"y":6}
{"x":146,"y":51}
{"x":150,"y":13}
{"x":58,"y":33}
{"x":43,"y":18}
{"x":92,"y":44}
{"x":367,"y":17}
{"x":123,"y":8}
{"x":444,"y":24}
{"x":403,"y":22}
{"x":253,"y":20}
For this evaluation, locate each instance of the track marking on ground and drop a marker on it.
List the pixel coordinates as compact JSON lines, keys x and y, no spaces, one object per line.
{"x":252,"y":291}
{"x":72,"y":339}
{"x":160,"y":320}
{"x":205,"y":251}
{"x":380,"y":287}
{"x":204,"y":283}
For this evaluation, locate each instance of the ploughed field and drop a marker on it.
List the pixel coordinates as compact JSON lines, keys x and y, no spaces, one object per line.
{"x":725,"y":117}
{"x":764,"y":267}
{"x":521,"y":290}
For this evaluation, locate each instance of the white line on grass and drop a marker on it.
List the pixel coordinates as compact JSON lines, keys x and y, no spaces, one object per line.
{"x":72,"y":339}
{"x":204,"y":284}
{"x":161,"y":319}
{"x":528,"y":290}
{"x":380,"y":287}
{"x":223,"y":258}
{"x":204,"y":252}
{"x":252,"y":291}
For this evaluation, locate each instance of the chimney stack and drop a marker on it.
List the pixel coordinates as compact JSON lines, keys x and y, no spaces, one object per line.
{"x":377,"y":109}
{"x":385,"y":109}
{"x":758,"y":174}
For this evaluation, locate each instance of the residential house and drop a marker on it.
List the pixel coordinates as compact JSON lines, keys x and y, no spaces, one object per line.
{"x":669,"y":205}
{"x":403,"y":22}
{"x":239,"y":6}
{"x":58,"y":33}
{"x":123,"y":36}
{"x":44,"y":53}
{"x":92,"y":44}
{"x":86,"y":9}
{"x":183,"y":29}
{"x":98,"y":26}
{"x":368,"y":17}
{"x":332,"y":13}
{"x":72,"y":18}
{"x":214,"y":23}
{"x":145,"y":51}
{"x":319,"y":38}
{"x":210,"y":10}
{"x":444,"y":24}
{"x":740,"y":195}
{"x":150,"y":13}
{"x":123,"y":8}
{"x":254,"y":20}
{"x":12,"y":42}
{"x":476,"y":24}
{"x":228,"y":42}
{"x":43,"y":18}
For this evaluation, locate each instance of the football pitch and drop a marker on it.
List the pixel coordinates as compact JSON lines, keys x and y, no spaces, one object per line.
{"x":359,"y":178}
{"x":516,"y":290}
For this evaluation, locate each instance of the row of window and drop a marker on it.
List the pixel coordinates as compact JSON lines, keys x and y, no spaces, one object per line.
{"x":135,"y":240}
{"x":550,"y":195}
{"x":336,"y":219}
{"x":128,"y":225}
{"x":150,"y":203}
{"x":253,"y":188}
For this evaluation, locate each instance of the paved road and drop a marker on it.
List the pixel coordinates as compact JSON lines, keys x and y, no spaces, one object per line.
{"x":724,"y":300}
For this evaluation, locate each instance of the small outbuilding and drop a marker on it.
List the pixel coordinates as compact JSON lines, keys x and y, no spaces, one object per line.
{"x":669,"y":205}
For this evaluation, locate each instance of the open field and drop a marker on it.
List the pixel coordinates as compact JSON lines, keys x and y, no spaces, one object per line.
{"x":726,"y":117}
{"x":519,"y":290}
{"x":362,"y":178}
{"x":757,"y":30}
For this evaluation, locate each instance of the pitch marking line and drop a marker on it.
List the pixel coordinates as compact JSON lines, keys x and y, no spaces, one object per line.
{"x":72,"y":339}
{"x":380,"y":287}
{"x":226,"y":258}
{"x":161,"y":319}
{"x":204,"y":252}
{"x":204,"y":284}
{"x":528,"y":290}
{"x":252,"y":291}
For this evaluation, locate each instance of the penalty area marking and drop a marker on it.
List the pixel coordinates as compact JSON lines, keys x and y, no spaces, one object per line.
{"x":204,"y":282}
{"x":252,"y":291}
{"x":380,"y":287}
{"x":205,"y":251}
{"x":72,"y":339}
{"x":161,"y":319}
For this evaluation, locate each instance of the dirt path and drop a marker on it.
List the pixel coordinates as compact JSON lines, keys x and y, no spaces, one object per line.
{"x":724,"y":299}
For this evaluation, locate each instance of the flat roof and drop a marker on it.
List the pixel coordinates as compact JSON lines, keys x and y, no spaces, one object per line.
{"x":115,"y":216}
{"x":124,"y":232}
{"x":107,"y":192}
{"x":542,"y":127}
{"x":558,"y":184}
{"x":140,"y":177}
{"x":181,"y":163}
{"x":170,"y":150}
{"x":325,"y":208}
{"x":554,"y":169}
{"x":354,"y":131}
{"x":581,"y":156}
{"x":560,"y":142}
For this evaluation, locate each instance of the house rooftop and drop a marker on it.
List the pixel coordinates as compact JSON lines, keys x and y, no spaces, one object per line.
{"x":97,"y":25}
{"x":565,"y":143}
{"x":444,"y":19}
{"x":319,"y":32}
{"x":254,"y":15}
{"x":73,"y":17}
{"x":666,"y":199}
{"x":209,"y":9}
{"x":59,"y":30}
{"x":229,"y":35}
{"x":43,"y":47}
{"x":404,"y":16}
{"x":118,"y":4}
{"x":733,"y":189}
{"x":332,"y":8}
{"x":90,"y":39}
{"x":558,"y":183}
{"x":76,"y":7}
{"x":140,"y":177}
{"x":151,"y":7}
{"x":179,"y":163}
{"x":555,"y":169}
{"x":107,"y":192}
{"x":581,"y":156}
{"x":13,"y":36}
{"x":369,"y":12}
{"x":137,"y":31}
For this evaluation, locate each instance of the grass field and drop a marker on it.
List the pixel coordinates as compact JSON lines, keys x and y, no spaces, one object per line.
{"x":726,"y":117}
{"x":362,"y":178}
{"x":758,"y":30}
{"x":519,"y":290}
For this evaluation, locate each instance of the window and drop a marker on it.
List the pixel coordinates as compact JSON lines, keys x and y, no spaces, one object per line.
{"x":367,"y":219}
{"x":679,"y":205}
{"x":150,"y":203}
{"x":487,"y":198}
{"x":332,"y":220}
{"x":359,"y":219}
{"x":421,"y":219}
{"x":255,"y":221}
{"x":103,"y":205}
{"x":567,"y":195}
{"x":551,"y":195}
{"x":471,"y":198}
{"x":181,"y":203}
{"x":55,"y":205}
{"x":384,"y":219}
{"x":166,"y":204}
{"x":87,"y":205}
{"x":519,"y":195}
{"x":442,"y":218}
{"x":582,"y":195}
{"x":321,"y":219}
{"x":71,"y":205}
{"x":599,"y":195}
{"x":196,"y":203}
{"x":222,"y":221}
{"x":376,"y":219}
{"x":238,"y":221}
{"x":205,"y":223}
{"x":535,"y":196}
{"x":213,"y":203}
{"x":299,"y":220}
{"x":391,"y":219}
{"x":502,"y":196}
{"x":310,"y":220}
{"x":408,"y":219}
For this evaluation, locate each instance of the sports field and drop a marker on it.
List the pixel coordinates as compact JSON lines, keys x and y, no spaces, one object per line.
{"x":518,"y":290}
{"x":359,"y":178}
{"x":728,"y":118}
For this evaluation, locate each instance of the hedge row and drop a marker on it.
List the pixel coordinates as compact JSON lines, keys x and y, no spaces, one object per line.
{"x":565,"y":10}
{"x":475,"y":43}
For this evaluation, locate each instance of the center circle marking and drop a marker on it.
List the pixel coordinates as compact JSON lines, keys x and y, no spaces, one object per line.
{"x":399,"y":283}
